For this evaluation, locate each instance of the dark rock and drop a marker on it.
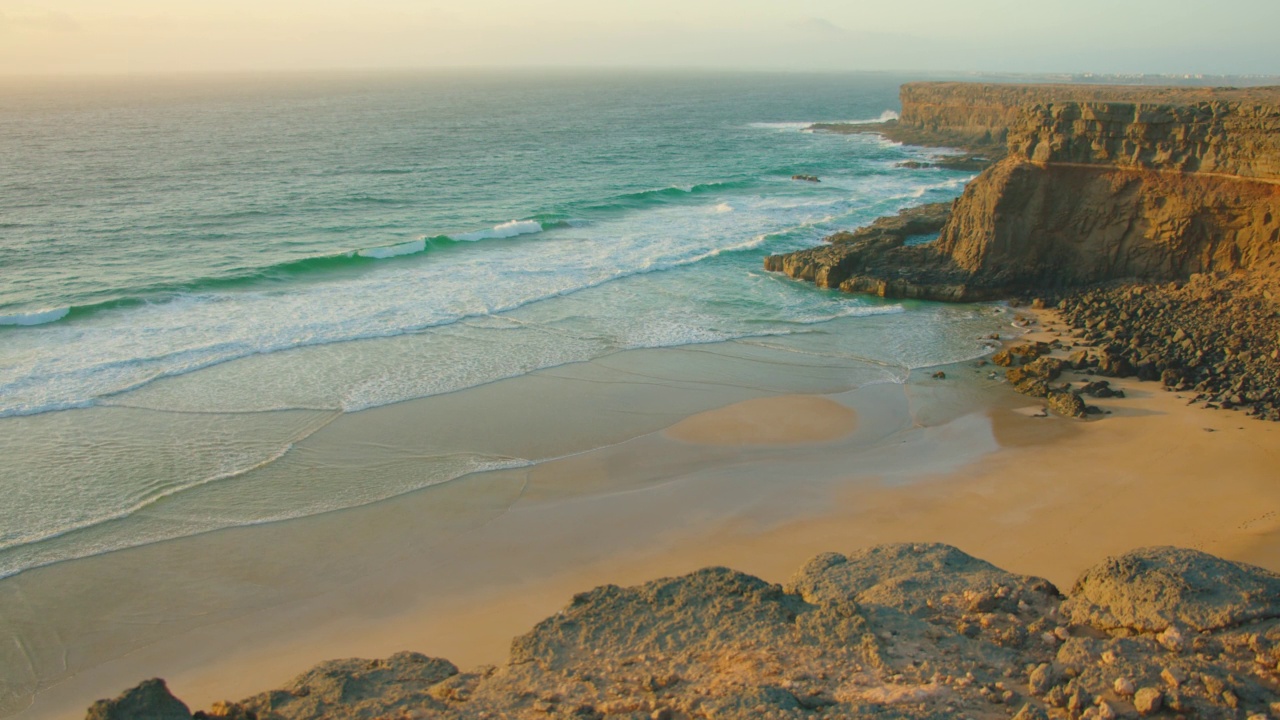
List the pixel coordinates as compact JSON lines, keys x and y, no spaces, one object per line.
{"x":1033,"y":386}
{"x":1067,"y":404}
{"x":1044,"y":368}
{"x":1080,"y":359}
{"x":1098,"y":389}
{"x":1202,"y":336}
{"x":1017,"y":355}
{"x":876,"y":260}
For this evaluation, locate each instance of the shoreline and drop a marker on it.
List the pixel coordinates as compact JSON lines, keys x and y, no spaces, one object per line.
{"x":1028,"y":503}
{"x":453,"y":523}
{"x":243,"y":589}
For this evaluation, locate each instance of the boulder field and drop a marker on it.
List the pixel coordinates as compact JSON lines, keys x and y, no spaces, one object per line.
{"x":894,"y":631}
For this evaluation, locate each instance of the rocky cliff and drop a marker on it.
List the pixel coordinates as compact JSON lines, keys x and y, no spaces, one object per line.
{"x":1098,"y":183}
{"x":894,"y":631}
{"x":965,"y":114}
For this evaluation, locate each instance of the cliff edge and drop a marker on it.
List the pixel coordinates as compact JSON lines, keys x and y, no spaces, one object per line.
{"x":1097,"y":183}
{"x":893,"y":631}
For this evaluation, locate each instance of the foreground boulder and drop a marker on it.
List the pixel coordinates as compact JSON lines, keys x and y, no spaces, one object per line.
{"x":893,"y":631}
{"x":1152,"y":589}
{"x":874,"y":259}
{"x":150,"y":700}
{"x":351,"y":689}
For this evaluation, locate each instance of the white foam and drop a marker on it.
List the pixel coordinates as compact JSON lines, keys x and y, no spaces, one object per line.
{"x":406,"y":248}
{"x":850,"y":310}
{"x":505,"y":230}
{"x":723,"y":208}
{"x":35,"y":318}
{"x":780,"y":126}
{"x":807,"y":125}
{"x":885,"y":116}
{"x":122,"y":350}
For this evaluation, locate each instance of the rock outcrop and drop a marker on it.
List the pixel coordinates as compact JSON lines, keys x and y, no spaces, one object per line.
{"x":894,"y":631}
{"x":1098,"y":183}
{"x":1154,"y":589}
{"x":868,"y":260}
{"x":351,"y":689}
{"x":1036,"y":226}
{"x":965,"y":114}
{"x":149,"y":700}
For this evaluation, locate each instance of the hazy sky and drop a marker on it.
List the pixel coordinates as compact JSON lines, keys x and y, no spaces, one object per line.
{"x":147,"y":36}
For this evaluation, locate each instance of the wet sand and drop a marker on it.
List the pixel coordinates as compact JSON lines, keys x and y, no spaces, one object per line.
{"x":457,"y":570}
{"x":785,"y":420}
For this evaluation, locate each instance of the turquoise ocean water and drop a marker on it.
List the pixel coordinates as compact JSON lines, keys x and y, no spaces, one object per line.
{"x":196,"y":274}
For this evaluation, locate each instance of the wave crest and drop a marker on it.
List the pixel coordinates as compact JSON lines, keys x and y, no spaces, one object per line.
{"x":505,"y":230}
{"x":35,"y":318}
{"x":380,"y":253}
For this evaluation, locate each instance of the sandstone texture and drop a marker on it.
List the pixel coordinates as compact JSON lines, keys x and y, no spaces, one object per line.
{"x":968,"y":114}
{"x":1026,"y":226}
{"x":1097,"y":183}
{"x":1102,"y":197}
{"x":894,"y":631}
{"x":149,"y":700}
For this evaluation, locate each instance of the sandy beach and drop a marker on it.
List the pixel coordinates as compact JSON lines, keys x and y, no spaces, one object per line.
{"x":759,"y":484}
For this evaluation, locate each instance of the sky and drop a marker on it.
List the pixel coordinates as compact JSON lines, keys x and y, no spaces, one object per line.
{"x":1102,"y":36}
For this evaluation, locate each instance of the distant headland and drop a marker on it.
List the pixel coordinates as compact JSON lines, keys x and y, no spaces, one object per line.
{"x":1106,"y":187}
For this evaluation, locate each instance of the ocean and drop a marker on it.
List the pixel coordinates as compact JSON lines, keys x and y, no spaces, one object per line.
{"x":197,"y":274}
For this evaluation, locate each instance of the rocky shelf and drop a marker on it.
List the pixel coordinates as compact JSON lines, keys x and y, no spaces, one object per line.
{"x":895,"y":631}
{"x":1099,"y":190}
{"x":1096,"y":184}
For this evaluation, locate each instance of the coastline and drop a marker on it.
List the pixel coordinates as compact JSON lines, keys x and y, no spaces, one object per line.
{"x":640,"y":465}
{"x":183,"y":606}
{"x":959,"y":460}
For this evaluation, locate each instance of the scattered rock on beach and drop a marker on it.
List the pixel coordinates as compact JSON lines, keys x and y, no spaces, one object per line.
{"x":1067,"y":404}
{"x":1044,"y":368}
{"x":1020,"y":354}
{"x":1213,"y":337}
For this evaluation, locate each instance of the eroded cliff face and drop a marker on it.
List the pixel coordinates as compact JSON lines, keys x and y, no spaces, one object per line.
{"x":1094,"y":191}
{"x":1023,"y":225}
{"x":1238,"y":138}
{"x":969,"y":113}
{"x":1099,"y":183}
